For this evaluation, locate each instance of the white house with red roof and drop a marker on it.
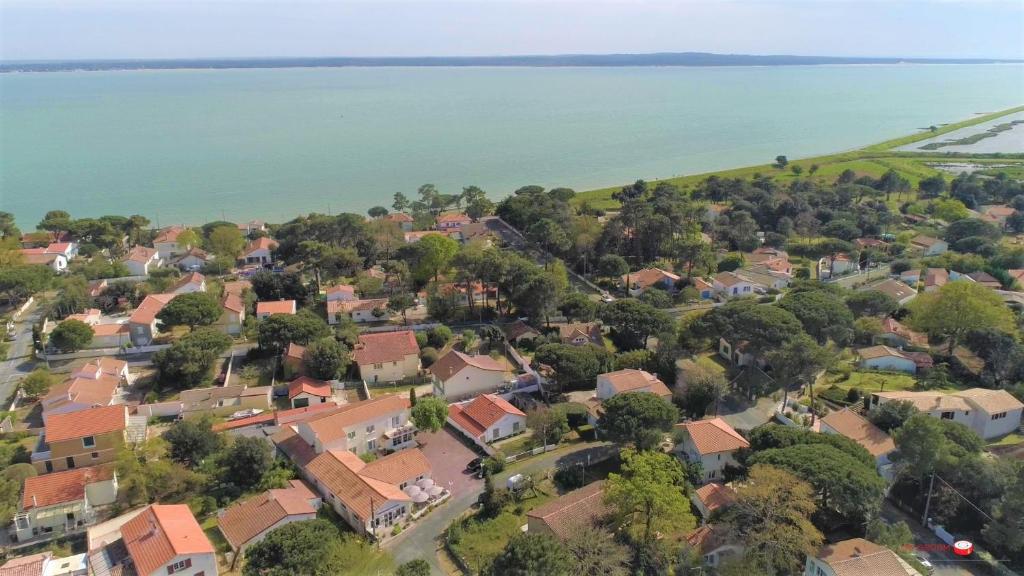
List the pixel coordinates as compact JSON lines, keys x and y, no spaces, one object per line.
{"x":452,"y":221}
{"x":259,"y":251}
{"x":141,"y":260}
{"x":95,"y":384}
{"x":159,"y":540}
{"x":713,"y":443}
{"x":142,"y":324}
{"x":233,"y":315}
{"x":630,"y":380}
{"x":403,"y":220}
{"x":166,"y":243}
{"x":487,"y":418}
{"x":265,"y":310}
{"x":194,"y":259}
{"x":305,"y":391}
{"x":191,"y":282}
{"x":387,"y":356}
{"x":458,"y":376}
{"x":247,"y":522}
{"x":372,"y":310}
{"x":361,"y":427}
{"x":39,"y":256}
{"x":639,"y":281}
{"x":711,"y":497}
{"x":63,"y":501}
{"x":343,"y":292}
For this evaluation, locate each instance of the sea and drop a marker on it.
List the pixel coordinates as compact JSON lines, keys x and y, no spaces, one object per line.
{"x":192,"y":146}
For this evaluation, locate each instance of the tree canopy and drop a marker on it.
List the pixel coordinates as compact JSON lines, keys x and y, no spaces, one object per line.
{"x":957,"y":308}
{"x":192,"y":309}
{"x":640,"y":418}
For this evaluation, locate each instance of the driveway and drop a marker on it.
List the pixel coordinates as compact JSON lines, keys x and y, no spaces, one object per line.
{"x":747,"y":416}
{"x":448,"y":454}
{"x":928,"y":545}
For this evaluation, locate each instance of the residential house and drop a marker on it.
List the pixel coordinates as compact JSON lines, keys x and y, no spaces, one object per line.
{"x":90,"y":316}
{"x":479,"y":232}
{"x":516,"y":332}
{"x":737,"y":354}
{"x":637,"y":282}
{"x":141,"y":260}
{"x":985,"y":279}
{"x":342,"y":292}
{"x":711,"y":497}
{"x":193,"y":259}
{"x":110,"y":336}
{"x":304,"y":391}
{"x":142,"y":324}
{"x":935,"y":278}
{"x":713,"y":443}
{"x":252,"y":227}
{"x":562,"y":517}
{"x":159,"y":540}
{"x":361,"y":427}
{"x":630,"y":380}
{"x":848,"y":423}
{"x":387,"y":356}
{"x":83,"y":438}
{"x":855,"y":557}
{"x":40,"y":257}
{"x":765,"y":278}
{"x":769,"y":258}
{"x":293,"y":360}
{"x":192,"y":282}
{"x":403,"y":220}
{"x":910,"y":277}
{"x":371,"y":498}
{"x":68,"y":250}
{"x":98,"y":287}
{"x":452,"y":221}
{"x":885,"y":358}
{"x":899,"y":291}
{"x":373,"y":310}
{"x":265,"y":310}
{"x":899,"y":336}
{"x":63,"y":501}
{"x":45,"y":564}
{"x":237,"y":287}
{"x":247,"y":522}
{"x":997,"y":213}
{"x":990,"y":413}
{"x":223,"y":400}
{"x":713,"y":545}
{"x":458,"y":376}
{"x":705,"y":289}
{"x":487,"y":418}
{"x":928,"y":246}
{"x":841,"y":263}
{"x":232,"y":318}
{"x":95,"y":384}
{"x":581,"y":334}
{"x":166,"y":243}
{"x":259,"y":251}
{"x":732,"y":285}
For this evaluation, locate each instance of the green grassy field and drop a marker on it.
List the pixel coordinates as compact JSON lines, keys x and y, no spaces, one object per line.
{"x":873,"y":160}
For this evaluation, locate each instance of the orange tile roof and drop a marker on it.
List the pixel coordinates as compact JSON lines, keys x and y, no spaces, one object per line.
{"x":246,"y":520}
{"x":385,"y":347}
{"x":109,"y":329}
{"x":631,"y":380}
{"x":399,"y":217}
{"x":295,"y":351}
{"x":276,"y":307}
{"x":453,"y":217}
{"x":589,"y":330}
{"x":648,"y":277}
{"x":33,"y":565}
{"x":338,"y":471}
{"x":713,"y":436}
{"x":872,"y":352}
{"x":311,"y":386}
{"x":850,"y":424}
{"x":350,"y":306}
{"x":568,"y":512}
{"x":398,"y":467}
{"x":162,"y":532}
{"x":261,"y":243}
{"x":341,"y":289}
{"x":141,"y":254}
{"x":169,"y":234}
{"x":891,"y":326}
{"x":192,"y":278}
{"x":233,"y":302}
{"x":293,"y":446}
{"x":715,"y":496}
{"x":90,"y":422}
{"x":482,"y":412}
{"x":91,"y":391}
{"x":858,"y":557}
{"x":454,"y":361}
{"x":151,"y":306}
{"x":104,"y":365}
{"x":61,"y":487}
{"x":237,"y":287}
{"x":292,"y":415}
{"x":332,"y":425}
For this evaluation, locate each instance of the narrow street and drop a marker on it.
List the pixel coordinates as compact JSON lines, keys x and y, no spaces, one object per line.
{"x":929,"y":545}
{"x":19,"y":359}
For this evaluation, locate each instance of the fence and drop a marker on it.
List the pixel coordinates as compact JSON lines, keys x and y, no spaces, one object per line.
{"x":160,"y":409}
{"x":413,"y":327}
{"x":530,"y":453}
{"x":17,"y":313}
{"x":97,"y":352}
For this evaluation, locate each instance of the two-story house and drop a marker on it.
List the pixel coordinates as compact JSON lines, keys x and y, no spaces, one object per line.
{"x":458,"y":376}
{"x":159,"y":540}
{"x":232,"y":316}
{"x":63,"y":501}
{"x":259,"y":251}
{"x":713,"y":443}
{"x":856,"y":556}
{"x":95,"y":384}
{"x":142,"y":324}
{"x":361,"y":427}
{"x":141,"y":260}
{"x":387,"y":356}
{"x":990,"y":413}
{"x":167,"y":244}
{"x":79,"y":439}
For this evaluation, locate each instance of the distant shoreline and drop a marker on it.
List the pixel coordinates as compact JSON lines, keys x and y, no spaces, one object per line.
{"x":673,"y":59}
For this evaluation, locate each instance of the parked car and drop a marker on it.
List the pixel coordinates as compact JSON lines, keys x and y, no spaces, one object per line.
{"x":475,"y":464}
{"x":924,"y":562}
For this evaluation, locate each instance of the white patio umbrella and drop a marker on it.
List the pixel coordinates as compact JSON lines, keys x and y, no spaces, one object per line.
{"x":435,"y":491}
{"x":412,"y":490}
{"x":420,"y":498}
{"x":425,"y":483}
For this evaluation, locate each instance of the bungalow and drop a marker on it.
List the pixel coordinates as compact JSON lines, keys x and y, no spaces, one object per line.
{"x":341,"y":292}
{"x":516,"y":332}
{"x":223,"y":400}
{"x":765,"y":278}
{"x":487,"y":418}
{"x":985,"y":279}
{"x":731,"y":285}
{"x":304,"y":391}
{"x":848,"y":423}
{"x":159,"y":540}
{"x":232,"y":317}
{"x":899,"y":291}
{"x":712,"y":497}
{"x":769,"y":258}
{"x":637,"y":282}
{"x":841,"y":263}
{"x":293,"y":360}
{"x":142,"y":324}
{"x":361,"y":427}
{"x":166,"y":243}
{"x":387,"y":356}
{"x":856,"y":556}
{"x":997,"y":213}
{"x":38,"y":256}
{"x":928,"y":246}
{"x":885,"y":358}
{"x":373,"y":310}
{"x":452,"y":221}
{"x":705,"y":289}
{"x":90,"y":316}
{"x":403,"y":220}
{"x":194,"y":259}
{"x":95,"y":384}
{"x":990,"y":413}
{"x":935,"y":278}
{"x":141,"y":260}
{"x":458,"y":376}
{"x":372,"y":497}
{"x":562,"y":517}
{"x":259,"y":251}
{"x":109,"y":336}
{"x":192,"y":282}
{"x":247,"y":522}
{"x":899,"y":336}
{"x":910,"y":276}
{"x":713,"y":545}
{"x":265,"y":310}
{"x":630,"y":380}
{"x":713,"y":443}
{"x":63,"y":501}
{"x":581,"y":334}
{"x":414,"y":237}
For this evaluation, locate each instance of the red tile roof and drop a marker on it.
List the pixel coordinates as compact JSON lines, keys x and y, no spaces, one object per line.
{"x":292,"y":415}
{"x":385,"y":347}
{"x":278,"y":307}
{"x":26,"y":565}
{"x":311,"y":386}
{"x":332,"y":425}
{"x":261,"y":243}
{"x":713,"y":436}
{"x":632,"y":380}
{"x":715,"y":496}
{"x":853,"y":426}
{"x":248,"y":519}
{"x":568,"y":512}
{"x":191,"y":278}
{"x":151,"y":306}
{"x":339,"y":472}
{"x":169,"y":234}
{"x":162,"y":532}
{"x":233,"y":303}
{"x":482,"y":412}
{"x":90,"y":422}
{"x":61,"y":487}
{"x":454,"y":361}
{"x":398,"y":467}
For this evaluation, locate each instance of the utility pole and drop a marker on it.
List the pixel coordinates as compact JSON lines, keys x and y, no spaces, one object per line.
{"x":928,"y":502}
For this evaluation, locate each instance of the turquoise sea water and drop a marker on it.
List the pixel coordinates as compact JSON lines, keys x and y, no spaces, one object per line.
{"x":198,"y":145}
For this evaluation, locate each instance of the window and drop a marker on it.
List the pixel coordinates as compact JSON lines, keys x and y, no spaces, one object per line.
{"x":351,"y":434}
{"x":70,"y":461}
{"x":371,"y":445}
{"x":179,"y":566}
{"x":369,"y":429}
{"x":394,"y":362}
{"x":49,"y":466}
{"x":95,"y":455}
{"x":999,"y":416}
{"x":394,"y":421}
{"x":515,"y":427}
{"x":378,"y":366}
{"x":947,"y":415}
{"x":89,"y":441}
{"x":496,"y":433}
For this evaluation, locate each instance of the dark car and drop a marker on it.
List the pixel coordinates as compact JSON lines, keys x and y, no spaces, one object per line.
{"x":474,"y":464}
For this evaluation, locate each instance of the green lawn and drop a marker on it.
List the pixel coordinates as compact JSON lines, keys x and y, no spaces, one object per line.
{"x":1009,"y":440}
{"x":712,"y":361}
{"x":874,"y":381}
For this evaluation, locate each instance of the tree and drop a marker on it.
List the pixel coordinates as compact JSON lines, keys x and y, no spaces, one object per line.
{"x":612,"y":266}
{"x":950,"y":210}
{"x":731,"y":261}
{"x":326,"y":358}
{"x":192,"y":440}
{"x":635,"y":322}
{"x":71,"y":336}
{"x":596,"y":552}
{"x":38,"y":383}
{"x":551,"y":237}
{"x":187,"y":363}
{"x":575,"y":367}
{"x":891,"y":415}
{"x":528,"y":554}
{"x":921,"y":445}
{"x":279,"y":330}
{"x":479,"y":207}
{"x":958,"y":308}
{"x":631,"y":417}
{"x":871,"y":303}
{"x":798,"y":362}
{"x":56,"y":221}
{"x":773,"y":436}
{"x":772,"y":517}
{"x":377,"y":212}
{"x":401,"y":203}
{"x":303,"y":548}
{"x":822,"y":315}
{"x":548,"y":424}
{"x":226,"y":242}
{"x":578,"y":307}
{"x":1005,"y":532}
{"x":192,"y":309}
{"x":893,"y":536}
{"x":439,"y":336}
{"x":764,"y":328}
{"x":430,"y":413}
{"x":269,"y":286}
{"x":417,"y":567}
{"x":248,"y":459}
{"x":433,"y":254}
{"x":400,"y":303}
{"x":781,"y":161}
{"x":649,"y":495}
{"x":702,"y":389}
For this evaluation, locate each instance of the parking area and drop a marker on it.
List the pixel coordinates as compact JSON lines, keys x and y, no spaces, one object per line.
{"x":448,"y":456}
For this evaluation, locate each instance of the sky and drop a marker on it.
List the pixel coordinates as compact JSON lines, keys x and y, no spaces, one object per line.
{"x":97,"y":29}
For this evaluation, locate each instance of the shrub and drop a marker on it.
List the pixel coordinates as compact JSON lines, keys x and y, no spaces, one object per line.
{"x":587,"y":432}
{"x":421,"y":339}
{"x":576,"y":414}
{"x":569,"y":477}
{"x":853,"y":395}
{"x":495,"y":463}
{"x":428,"y":356}
{"x":439,"y":336}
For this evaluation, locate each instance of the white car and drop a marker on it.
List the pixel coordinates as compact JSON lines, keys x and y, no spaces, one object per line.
{"x":245,"y":413}
{"x":924,"y":562}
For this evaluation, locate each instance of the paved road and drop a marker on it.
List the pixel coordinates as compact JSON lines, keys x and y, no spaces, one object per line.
{"x":423,"y":539}
{"x":19,"y":361}
{"x":946,"y":563}
{"x":748,"y":417}
{"x":514,"y":239}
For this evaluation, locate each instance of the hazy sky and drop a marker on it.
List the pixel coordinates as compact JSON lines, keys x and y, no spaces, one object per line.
{"x":78,"y":29}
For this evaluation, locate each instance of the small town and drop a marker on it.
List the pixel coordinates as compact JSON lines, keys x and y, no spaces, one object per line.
{"x":818,"y":377}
